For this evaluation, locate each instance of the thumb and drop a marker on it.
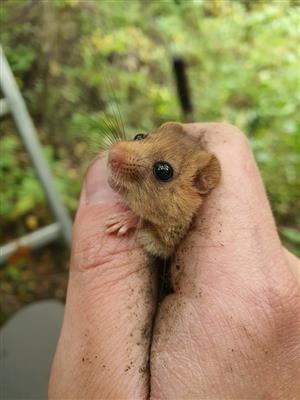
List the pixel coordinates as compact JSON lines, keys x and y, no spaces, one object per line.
{"x":234,"y":243}
{"x":105,"y":336}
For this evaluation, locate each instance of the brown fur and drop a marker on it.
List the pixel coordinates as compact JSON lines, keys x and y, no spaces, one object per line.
{"x":166,"y":208}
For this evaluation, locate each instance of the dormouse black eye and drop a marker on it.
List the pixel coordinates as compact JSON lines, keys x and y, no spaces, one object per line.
{"x":162,"y":171}
{"x":140,"y":136}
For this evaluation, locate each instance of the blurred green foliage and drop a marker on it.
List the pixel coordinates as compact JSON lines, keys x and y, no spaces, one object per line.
{"x":75,"y":59}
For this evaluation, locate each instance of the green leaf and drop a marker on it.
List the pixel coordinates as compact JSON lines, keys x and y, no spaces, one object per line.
{"x":291,"y":234}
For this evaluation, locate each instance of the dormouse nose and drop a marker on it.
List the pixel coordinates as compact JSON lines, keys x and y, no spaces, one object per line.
{"x":116,"y":156}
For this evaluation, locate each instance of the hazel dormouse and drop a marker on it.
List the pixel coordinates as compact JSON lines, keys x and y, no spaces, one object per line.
{"x":163,"y":178}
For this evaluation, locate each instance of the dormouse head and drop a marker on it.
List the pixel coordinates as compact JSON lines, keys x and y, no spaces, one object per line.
{"x":162,"y":176}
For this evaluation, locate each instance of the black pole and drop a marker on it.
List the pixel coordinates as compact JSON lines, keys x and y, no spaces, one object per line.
{"x":183,"y":91}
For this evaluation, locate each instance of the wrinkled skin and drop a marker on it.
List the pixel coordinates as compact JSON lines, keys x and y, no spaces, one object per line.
{"x":230,"y":330}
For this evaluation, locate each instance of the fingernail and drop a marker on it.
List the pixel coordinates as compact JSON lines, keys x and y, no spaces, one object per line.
{"x":95,"y":187}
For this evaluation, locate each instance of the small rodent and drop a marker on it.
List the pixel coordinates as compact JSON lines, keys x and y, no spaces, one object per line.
{"x":162,"y":178}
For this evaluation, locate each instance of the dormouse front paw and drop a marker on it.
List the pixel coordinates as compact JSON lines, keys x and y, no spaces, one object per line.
{"x":121,"y":223}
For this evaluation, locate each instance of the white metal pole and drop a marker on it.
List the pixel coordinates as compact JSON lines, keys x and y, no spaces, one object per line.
{"x":29,"y":137}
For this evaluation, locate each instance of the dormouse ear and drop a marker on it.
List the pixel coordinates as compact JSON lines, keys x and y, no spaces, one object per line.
{"x":209,"y":172}
{"x":171,"y":127}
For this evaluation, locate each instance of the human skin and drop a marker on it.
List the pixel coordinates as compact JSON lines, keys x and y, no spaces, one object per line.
{"x":229,"y":331}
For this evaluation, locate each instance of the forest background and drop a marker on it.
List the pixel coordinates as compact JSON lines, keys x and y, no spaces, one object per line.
{"x":75,"y":59}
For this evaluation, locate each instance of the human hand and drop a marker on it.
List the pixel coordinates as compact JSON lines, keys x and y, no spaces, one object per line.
{"x":230,"y":329}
